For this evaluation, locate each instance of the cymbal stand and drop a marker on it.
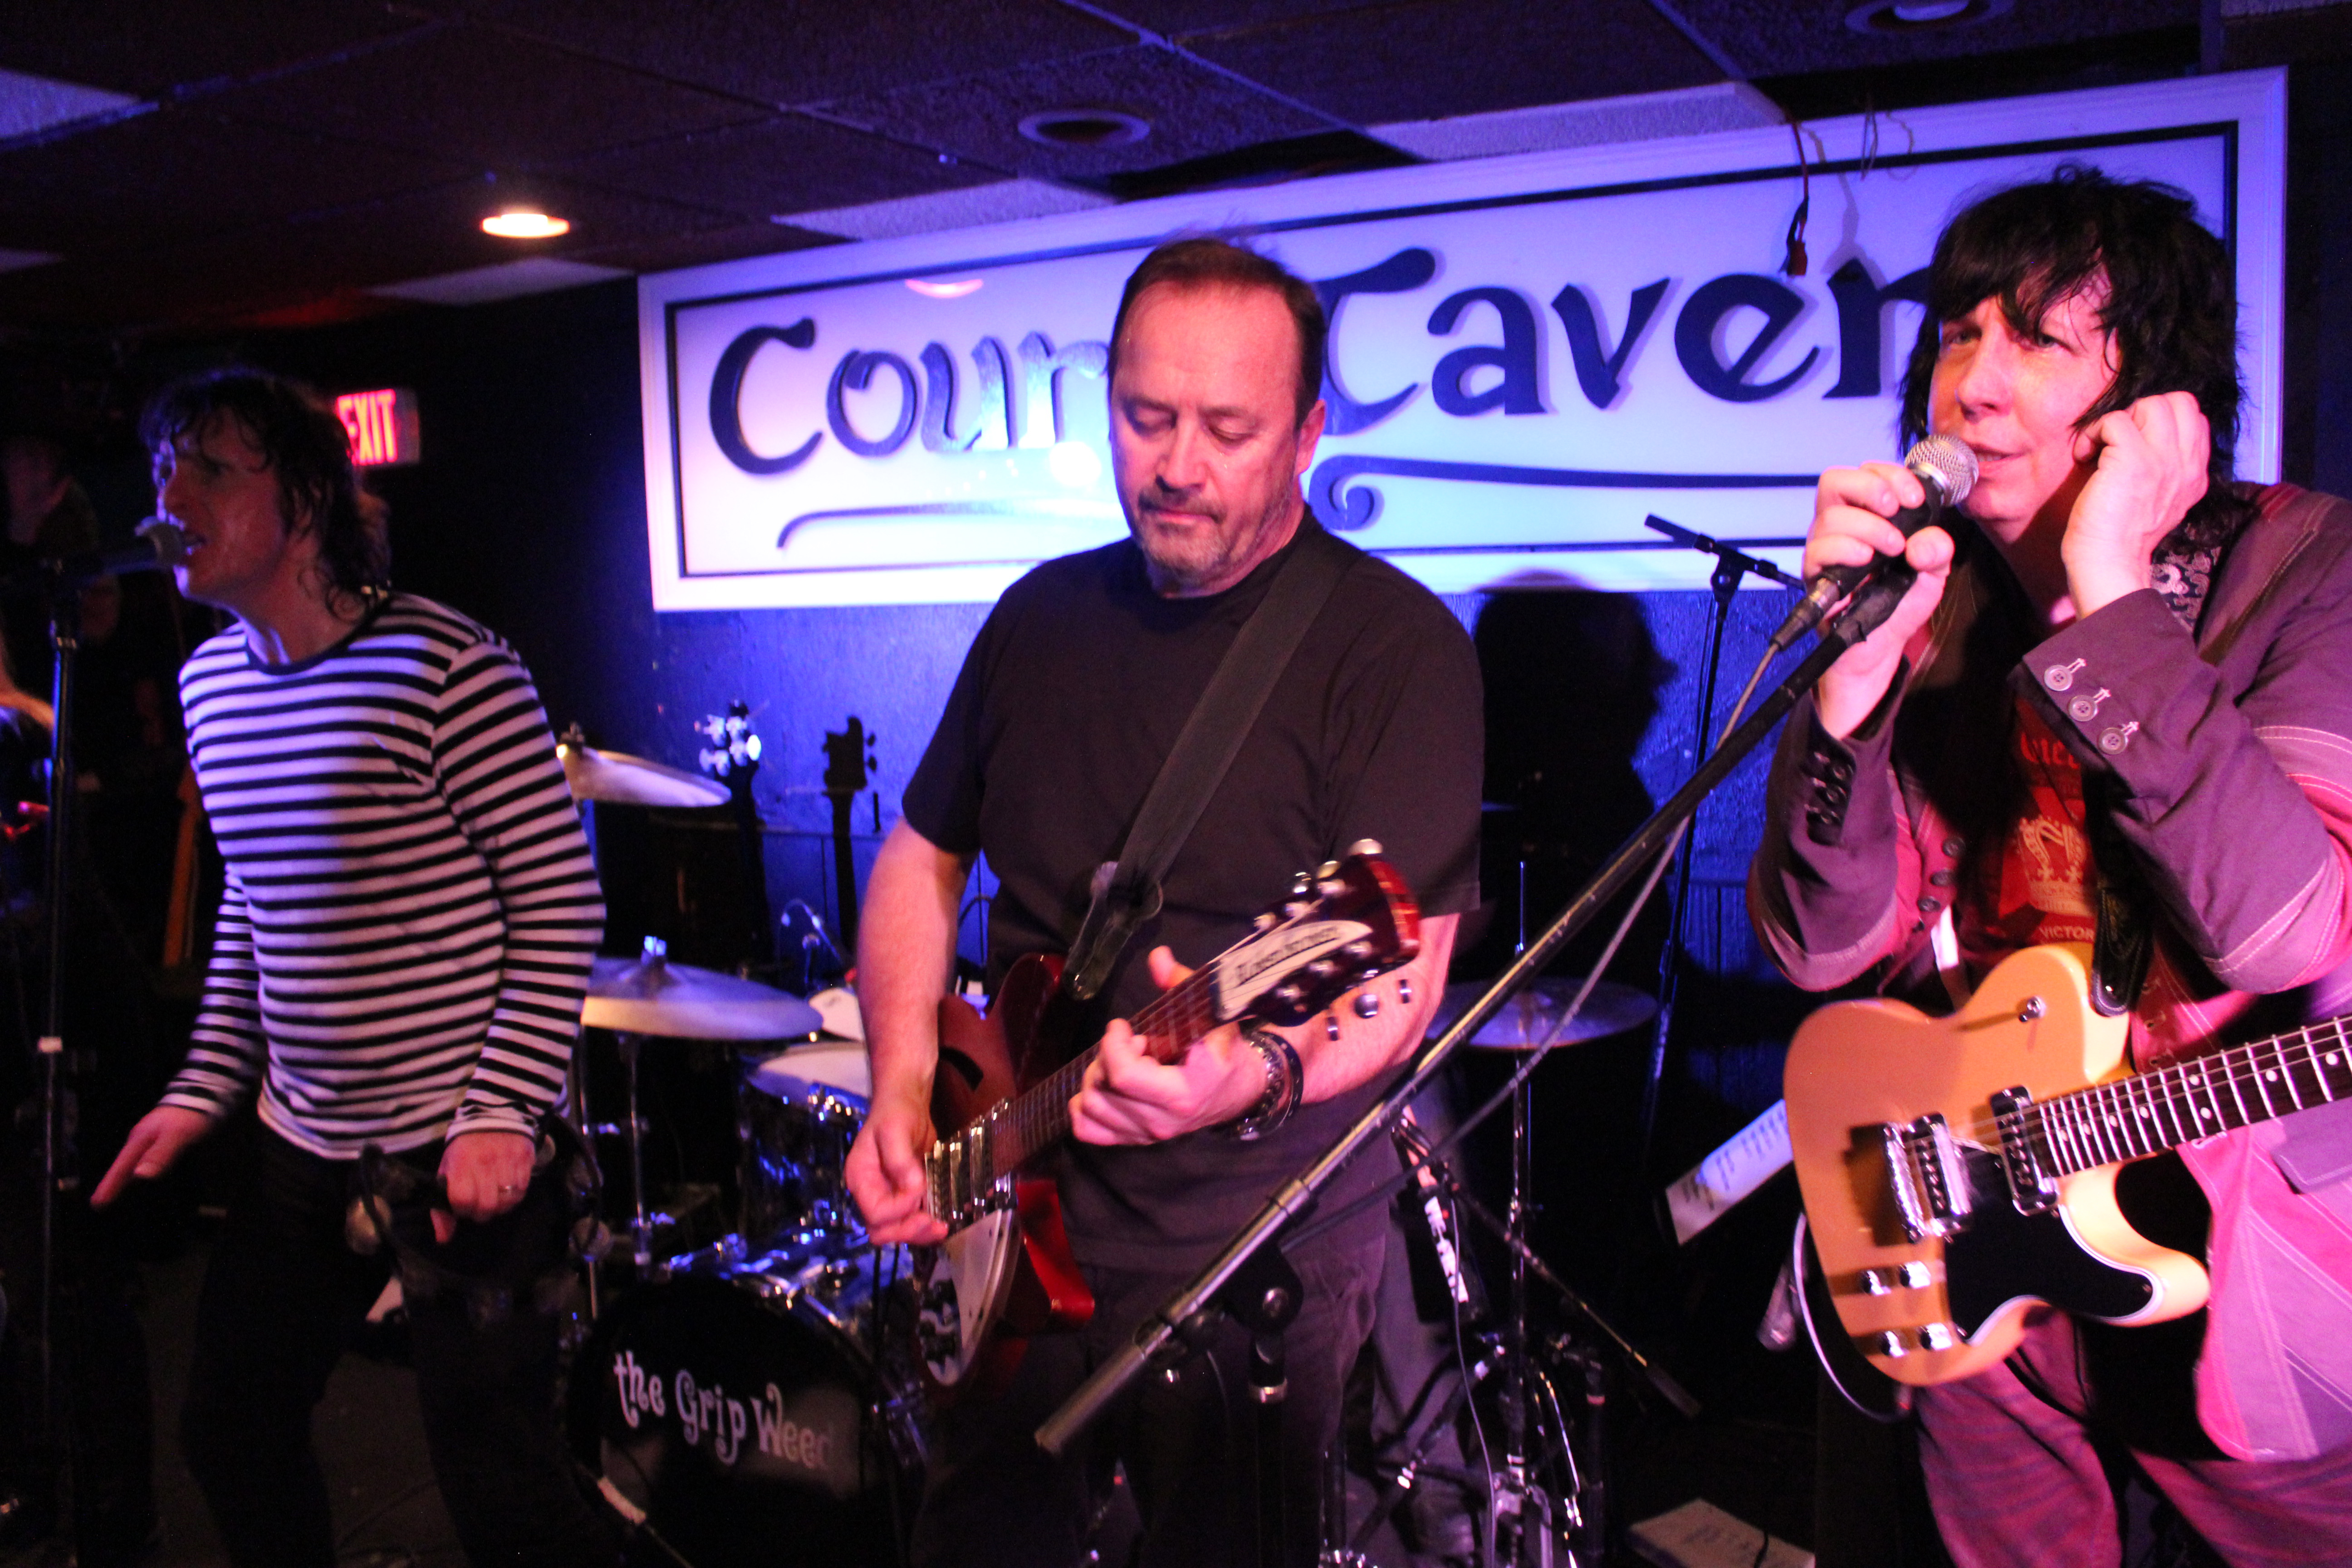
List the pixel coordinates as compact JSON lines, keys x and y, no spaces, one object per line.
{"x":641,"y":1244}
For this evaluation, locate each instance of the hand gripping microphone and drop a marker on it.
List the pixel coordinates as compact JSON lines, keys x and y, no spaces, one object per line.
{"x":1947,"y":471}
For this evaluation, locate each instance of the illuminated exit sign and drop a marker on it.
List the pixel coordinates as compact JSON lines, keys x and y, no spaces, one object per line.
{"x":382,"y":425}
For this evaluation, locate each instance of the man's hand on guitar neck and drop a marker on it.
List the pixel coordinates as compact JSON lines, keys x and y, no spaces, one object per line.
{"x":1129,"y":1098}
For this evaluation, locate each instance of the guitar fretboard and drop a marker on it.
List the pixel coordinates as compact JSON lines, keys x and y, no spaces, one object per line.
{"x":1024,"y":1127}
{"x":2150,"y":1112}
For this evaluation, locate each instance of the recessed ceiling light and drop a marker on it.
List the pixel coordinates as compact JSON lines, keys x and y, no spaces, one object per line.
{"x":521,"y":223}
{"x":1088,"y":128}
{"x":940,"y":288}
{"x":1919,"y":15}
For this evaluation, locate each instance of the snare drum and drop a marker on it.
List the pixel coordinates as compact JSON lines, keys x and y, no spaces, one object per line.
{"x":742,"y":1409}
{"x":796,"y":1115}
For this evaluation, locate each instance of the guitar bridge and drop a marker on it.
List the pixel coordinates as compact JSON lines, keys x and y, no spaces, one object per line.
{"x":1929,"y":1177}
{"x":2030,"y":1187}
{"x":963,"y":1189}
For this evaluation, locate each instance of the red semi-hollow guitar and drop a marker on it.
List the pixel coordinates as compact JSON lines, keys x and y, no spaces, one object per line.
{"x":1002,"y":1098}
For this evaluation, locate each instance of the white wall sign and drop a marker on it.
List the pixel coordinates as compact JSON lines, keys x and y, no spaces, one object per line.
{"x":1530,"y":357}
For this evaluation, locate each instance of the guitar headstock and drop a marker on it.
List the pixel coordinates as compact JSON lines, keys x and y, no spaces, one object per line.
{"x":733,"y":751}
{"x":1342,"y":924}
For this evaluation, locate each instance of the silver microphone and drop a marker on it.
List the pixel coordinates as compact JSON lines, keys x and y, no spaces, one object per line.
{"x":1948,"y":472}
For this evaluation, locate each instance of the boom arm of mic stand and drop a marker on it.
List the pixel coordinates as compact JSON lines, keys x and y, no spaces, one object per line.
{"x":1158,"y":1335}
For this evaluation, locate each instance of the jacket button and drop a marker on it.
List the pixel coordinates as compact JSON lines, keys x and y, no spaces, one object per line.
{"x":1953,"y":847}
{"x":2060,"y":676}
{"x":1929,"y":907}
{"x":1940,"y":879}
{"x":2113,"y":742}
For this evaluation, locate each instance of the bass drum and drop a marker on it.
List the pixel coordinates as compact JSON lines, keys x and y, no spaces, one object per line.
{"x":742,"y":1412}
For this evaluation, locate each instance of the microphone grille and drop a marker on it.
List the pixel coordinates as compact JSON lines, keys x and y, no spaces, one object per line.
{"x":1952,"y":464}
{"x":169,"y":544}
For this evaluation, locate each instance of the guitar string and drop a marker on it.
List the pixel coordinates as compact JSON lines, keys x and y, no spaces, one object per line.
{"x":2087,"y":1116}
{"x":2171,"y":1087}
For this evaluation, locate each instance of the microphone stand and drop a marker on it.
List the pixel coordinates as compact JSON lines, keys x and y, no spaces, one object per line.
{"x":1249,"y":1275}
{"x":1730,"y":566}
{"x":56,"y":1115}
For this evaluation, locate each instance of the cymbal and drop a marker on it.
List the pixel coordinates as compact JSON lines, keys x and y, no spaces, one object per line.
{"x":1526,"y":1020}
{"x":625,"y":780}
{"x":654,"y":997}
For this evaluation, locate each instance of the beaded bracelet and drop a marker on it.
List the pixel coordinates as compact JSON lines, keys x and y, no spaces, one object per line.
{"x":1286,"y":1085}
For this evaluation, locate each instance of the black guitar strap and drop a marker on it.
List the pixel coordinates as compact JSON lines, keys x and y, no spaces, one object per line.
{"x":1127,"y":893}
{"x":2125,"y":938}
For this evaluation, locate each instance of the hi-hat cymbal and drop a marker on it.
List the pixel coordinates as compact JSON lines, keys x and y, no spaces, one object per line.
{"x":1527,"y":1019}
{"x":623,"y":780}
{"x":654,"y":997}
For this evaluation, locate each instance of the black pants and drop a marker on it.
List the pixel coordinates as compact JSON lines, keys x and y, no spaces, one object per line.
{"x":993,"y":1496}
{"x":281,"y":1300}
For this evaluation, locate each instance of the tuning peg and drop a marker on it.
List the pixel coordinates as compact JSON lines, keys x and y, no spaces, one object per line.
{"x":1404,"y":990}
{"x":1368,"y":1004}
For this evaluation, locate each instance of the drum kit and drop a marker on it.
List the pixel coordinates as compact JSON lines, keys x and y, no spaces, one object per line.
{"x":741,"y":1402}
{"x":754,"y":1399}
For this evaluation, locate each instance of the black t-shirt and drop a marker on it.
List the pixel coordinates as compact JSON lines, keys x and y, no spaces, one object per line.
{"x":1070,"y":700}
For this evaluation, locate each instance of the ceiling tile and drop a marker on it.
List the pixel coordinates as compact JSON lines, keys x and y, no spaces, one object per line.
{"x":1006,"y":201}
{"x":1192,"y":113}
{"x":145,"y":46}
{"x":418,"y":234}
{"x":780,"y":165}
{"x":1775,"y":38}
{"x":1176,"y":19}
{"x":165,"y":176}
{"x":486,"y":96}
{"x":791,"y":53}
{"x":699,"y":247}
{"x":1435,"y":58}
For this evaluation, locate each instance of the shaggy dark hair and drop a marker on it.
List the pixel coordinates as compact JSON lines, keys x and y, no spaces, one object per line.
{"x":1220,"y":264}
{"x":309,"y":449}
{"x":2171,"y":303}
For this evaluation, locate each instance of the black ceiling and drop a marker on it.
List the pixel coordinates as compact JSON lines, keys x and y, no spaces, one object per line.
{"x":283,"y":157}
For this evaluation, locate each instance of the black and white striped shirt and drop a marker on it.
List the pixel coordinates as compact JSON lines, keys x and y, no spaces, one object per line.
{"x":411,"y":910}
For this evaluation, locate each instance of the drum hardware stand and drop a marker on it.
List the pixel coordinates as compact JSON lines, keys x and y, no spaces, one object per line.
{"x":1159,"y":1339}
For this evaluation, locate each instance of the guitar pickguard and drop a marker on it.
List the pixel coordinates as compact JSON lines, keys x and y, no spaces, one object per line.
{"x":2003,"y":1256}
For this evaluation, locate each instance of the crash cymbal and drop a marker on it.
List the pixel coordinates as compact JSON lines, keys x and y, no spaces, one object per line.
{"x":623,"y":780}
{"x":654,"y":997}
{"x":1525,"y":1021}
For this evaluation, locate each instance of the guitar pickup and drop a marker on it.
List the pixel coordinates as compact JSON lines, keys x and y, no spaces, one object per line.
{"x":1928,"y":1175}
{"x":2030,"y":1187}
{"x":1913,"y":1276}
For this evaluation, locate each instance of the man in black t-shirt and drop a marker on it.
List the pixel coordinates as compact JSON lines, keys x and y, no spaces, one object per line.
{"x":1067,"y":704}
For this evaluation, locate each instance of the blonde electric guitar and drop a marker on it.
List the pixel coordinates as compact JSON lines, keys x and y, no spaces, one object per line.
{"x":1956,"y":1171}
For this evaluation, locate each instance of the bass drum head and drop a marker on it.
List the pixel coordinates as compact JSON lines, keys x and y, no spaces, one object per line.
{"x":746,"y":1433}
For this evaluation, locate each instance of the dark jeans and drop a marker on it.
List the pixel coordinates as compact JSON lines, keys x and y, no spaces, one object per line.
{"x":281,"y":1300}
{"x":993,"y":1496}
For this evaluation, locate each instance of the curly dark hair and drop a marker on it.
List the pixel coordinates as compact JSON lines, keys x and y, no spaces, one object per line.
{"x":309,"y":449}
{"x":2171,"y":304}
{"x":1205,"y":262}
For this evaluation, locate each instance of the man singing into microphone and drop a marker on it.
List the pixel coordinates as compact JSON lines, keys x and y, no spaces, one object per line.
{"x":2116,"y":708}
{"x":398,"y":960}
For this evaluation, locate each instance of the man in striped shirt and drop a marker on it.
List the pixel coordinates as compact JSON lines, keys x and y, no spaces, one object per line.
{"x":399,"y":960}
